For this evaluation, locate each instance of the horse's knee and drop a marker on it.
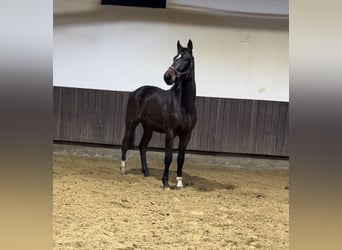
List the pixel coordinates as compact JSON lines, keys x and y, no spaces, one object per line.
{"x":180,"y":159}
{"x":168,"y":159}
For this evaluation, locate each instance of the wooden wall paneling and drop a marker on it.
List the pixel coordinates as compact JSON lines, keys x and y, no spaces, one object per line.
{"x":219,"y":125}
{"x":239,"y":136}
{"x":253,"y":128}
{"x":267,"y":129}
{"x":195,"y":132}
{"x":212,"y":125}
{"x":223,"y":125}
{"x":233,"y":126}
{"x":274,"y":125}
{"x":57,"y":112}
{"x":107,"y":117}
{"x":260,"y":127}
{"x":121,"y":118}
{"x":204,"y":130}
{"x":80,"y":107}
{"x":246,"y":139}
{"x":68,"y":115}
{"x":283,"y":129}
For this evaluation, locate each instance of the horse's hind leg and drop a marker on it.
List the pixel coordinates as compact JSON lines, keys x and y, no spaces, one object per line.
{"x":143,"y":147}
{"x":126,"y":141}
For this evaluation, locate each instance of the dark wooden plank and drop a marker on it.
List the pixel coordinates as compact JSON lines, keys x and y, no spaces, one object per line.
{"x":212,"y":125}
{"x":79,"y":121}
{"x":285,"y":134}
{"x":155,"y":140}
{"x":283,"y":127}
{"x":138,"y":134}
{"x":57,"y":106}
{"x":68,"y":106}
{"x":247,"y":140}
{"x":260,"y":128}
{"x":239,"y":136}
{"x":97,"y":128}
{"x":100,"y":132}
{"x":226,"y":126}
{"x":107,"y":117}
{"x":162,"y":140}
{"x":253,"y":128}
{"x":219,"y":125}
{"x":233,"y":126}
{"x":196,"y":134}
{"x":274,"y":124}
{"x":205,"y":124}
{"x":267,"y":129}
{"x":90,"y":116}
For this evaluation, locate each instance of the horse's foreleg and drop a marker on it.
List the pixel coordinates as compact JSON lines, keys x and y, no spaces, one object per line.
{"x":143,"y":147}
{"x":183,"y":143}
{"x":168,"y":159}
{"x":129,"y":135}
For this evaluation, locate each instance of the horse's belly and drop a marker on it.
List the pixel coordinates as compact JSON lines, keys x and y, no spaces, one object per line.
{"x":155,"y":124}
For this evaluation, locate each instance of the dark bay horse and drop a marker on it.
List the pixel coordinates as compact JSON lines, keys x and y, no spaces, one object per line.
{"x":171,"y":112}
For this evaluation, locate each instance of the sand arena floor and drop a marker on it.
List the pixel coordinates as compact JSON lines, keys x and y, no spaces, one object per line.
{"x":227,"y":202}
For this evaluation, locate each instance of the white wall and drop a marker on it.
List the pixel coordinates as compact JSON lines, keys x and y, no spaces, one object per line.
{"x":122,"y":48}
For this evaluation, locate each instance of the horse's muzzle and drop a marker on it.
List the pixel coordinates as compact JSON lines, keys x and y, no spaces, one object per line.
{"x":170,"y":76}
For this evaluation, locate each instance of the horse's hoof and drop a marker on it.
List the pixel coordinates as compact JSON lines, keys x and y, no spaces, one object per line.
{"x":145,"y":173}
{"x":166,"y":188}
{"x":179,"y":184}
{"x":179,"y":188}
{"x":123,"y":171}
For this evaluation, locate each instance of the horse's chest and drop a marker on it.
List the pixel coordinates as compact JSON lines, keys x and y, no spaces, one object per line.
{"x":183,"y":123}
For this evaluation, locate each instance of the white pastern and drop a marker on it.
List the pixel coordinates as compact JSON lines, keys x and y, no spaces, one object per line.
{"x":179,"y":182}
{"x":123,"y":167}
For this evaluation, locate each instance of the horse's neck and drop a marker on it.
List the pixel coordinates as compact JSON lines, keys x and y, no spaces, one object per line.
{"x":188,"y":94}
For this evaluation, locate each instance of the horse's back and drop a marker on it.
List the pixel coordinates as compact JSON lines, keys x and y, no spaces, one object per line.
{"x":147,"y":90}
{"x":144,"y":94}
{"x":145,"y":100}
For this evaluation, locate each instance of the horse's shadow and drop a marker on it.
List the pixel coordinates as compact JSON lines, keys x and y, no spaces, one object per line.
{"x":189,"y":181}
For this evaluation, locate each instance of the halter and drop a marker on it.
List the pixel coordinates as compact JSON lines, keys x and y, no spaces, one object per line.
{"x":179,"y":74}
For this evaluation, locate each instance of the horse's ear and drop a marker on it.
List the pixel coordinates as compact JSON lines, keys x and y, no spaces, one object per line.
{"x":179,"y":46}
{"x":190,"y":45}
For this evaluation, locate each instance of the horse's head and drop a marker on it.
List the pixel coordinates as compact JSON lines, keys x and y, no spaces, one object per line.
{"x":182,"y":64}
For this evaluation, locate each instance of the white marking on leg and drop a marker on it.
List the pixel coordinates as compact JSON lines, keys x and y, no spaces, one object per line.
{"x":123,"y":167}
{"x":179,"y":182}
